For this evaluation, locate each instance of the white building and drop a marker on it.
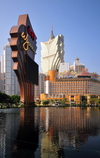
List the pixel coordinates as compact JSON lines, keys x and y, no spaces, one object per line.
{"x":77,"y":66}
{"x":64,"y":67}
{"x":52,"y":53}
{"x":9,"y":83}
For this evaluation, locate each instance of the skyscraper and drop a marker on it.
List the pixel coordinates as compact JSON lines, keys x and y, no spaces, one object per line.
{"x":52,"y":53}
{"x":40,"y":88}
{"x":9,"y":83}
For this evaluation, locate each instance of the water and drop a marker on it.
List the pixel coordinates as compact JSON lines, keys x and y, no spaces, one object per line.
{"x":50,"y":132}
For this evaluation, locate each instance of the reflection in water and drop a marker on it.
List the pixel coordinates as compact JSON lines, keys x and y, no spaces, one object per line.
{"x":27,"y":139}
{"x":50,"y":132}
{"x":69,"y":130}
{"x":18,"y":132}
{"x":9,"y":121}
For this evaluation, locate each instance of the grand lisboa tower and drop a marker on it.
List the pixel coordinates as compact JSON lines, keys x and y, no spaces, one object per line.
{"x":52,"y":53}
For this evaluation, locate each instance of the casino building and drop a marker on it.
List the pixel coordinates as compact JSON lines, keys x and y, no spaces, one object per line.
{"x":75,"y":87}
{"x":52,"y":53}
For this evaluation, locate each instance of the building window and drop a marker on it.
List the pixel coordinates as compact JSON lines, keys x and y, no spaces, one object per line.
{"x":8,"y":87}
{"x":8,"y":63}
{"x":8,"y":69}
{"x":8,"y":57}
{"x":8,"y":81}
{"x":8,"y":75}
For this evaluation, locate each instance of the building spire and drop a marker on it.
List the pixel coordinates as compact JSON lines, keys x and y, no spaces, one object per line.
{"x":51,"y":35}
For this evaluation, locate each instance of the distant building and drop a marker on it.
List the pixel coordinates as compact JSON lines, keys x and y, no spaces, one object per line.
{"x":52,"y":53}
{"x":40,"y":88}
{"x":75,"y":88}
{"x":77,"y":67}
{"x":9,"y":83}
{"x":64,"y":67}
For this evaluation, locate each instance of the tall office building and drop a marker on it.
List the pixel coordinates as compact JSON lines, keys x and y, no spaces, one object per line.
{"x":9,"y":83}
{"x":40,"y":88}
{"x":52,"y":53}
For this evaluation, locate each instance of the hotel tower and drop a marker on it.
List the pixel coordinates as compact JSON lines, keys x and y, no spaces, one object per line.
{"x":52,"y":53}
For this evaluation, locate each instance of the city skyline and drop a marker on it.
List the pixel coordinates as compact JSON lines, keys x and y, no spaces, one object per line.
{"x":78,"y":21}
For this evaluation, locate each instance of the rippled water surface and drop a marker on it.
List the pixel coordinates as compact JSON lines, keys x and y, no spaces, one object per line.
{"x":50,"y":132}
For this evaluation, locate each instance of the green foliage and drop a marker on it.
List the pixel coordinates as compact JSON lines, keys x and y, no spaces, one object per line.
{"x":84,"y":102}
{"x":94,"y":101}
{"x":38,"y":102}
{"x":99,"y":101}
{"x":51,"y":101}
{"x":15,"y":99}
{"x":63,"y":101}
{"x":46,"y":102}
{"x":4,"y":98}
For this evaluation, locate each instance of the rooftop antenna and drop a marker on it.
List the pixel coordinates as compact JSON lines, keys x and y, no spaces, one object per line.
{"x":51,"y":35}
{"x":52,"y":28}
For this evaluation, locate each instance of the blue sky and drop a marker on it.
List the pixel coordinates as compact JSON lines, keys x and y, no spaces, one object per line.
{"x":77,"y":20}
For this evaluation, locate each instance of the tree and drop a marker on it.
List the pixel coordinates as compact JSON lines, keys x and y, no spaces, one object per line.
{"x":64,"y":100}
{"x":94,"y":101}
{"x":46,"y":102}
{"x":99,"y":101}
{"x":15,"y":99}
{"x":4,"y":98}
{"x":52,"y":101}
{"x":38,"y":102}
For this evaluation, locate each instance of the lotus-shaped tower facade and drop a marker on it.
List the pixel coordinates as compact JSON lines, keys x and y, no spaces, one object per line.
{"x":52,"y":53}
